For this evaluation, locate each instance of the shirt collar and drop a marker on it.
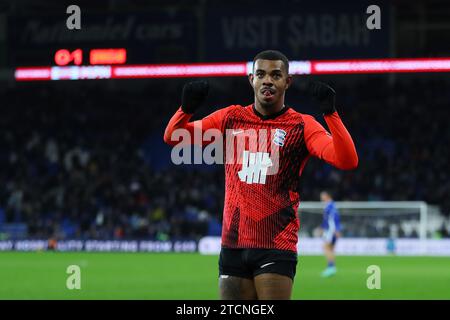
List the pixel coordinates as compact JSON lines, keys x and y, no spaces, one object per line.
{"x":269,"y":116}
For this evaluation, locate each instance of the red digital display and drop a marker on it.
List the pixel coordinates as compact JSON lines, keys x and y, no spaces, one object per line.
{"x":108,"y":56}
{"x":220,"y":69}
{"x":64,"y":57}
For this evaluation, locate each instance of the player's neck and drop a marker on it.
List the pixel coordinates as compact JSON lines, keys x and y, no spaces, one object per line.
{"x":269,"y":110}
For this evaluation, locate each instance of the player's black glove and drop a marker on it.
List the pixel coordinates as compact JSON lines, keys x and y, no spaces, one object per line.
{"x":194,"y":94}
{"x":325,"y":95}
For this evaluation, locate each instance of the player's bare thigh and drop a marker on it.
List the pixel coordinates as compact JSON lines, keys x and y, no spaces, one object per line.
{"x":236,"y":288}
{"x":273,"y":286}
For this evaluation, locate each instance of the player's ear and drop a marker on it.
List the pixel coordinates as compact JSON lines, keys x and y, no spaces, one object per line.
{"x":250,"y":79}
{"x":289,"y":80}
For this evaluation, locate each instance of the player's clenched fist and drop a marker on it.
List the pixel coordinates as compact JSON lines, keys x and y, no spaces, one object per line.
{"x":325,"y":95}
{"x":194,"y":94}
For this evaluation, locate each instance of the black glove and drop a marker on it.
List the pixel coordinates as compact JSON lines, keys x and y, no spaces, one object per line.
{"x":194,"y":94}
{"x":325,"y":95}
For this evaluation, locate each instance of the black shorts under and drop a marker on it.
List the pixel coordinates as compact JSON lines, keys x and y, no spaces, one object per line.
{"x":248,"y":263}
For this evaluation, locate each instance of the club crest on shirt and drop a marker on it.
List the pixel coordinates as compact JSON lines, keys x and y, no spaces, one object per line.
{"x":279,"y":137}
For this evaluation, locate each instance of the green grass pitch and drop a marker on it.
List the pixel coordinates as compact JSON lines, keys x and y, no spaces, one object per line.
{"x":42,"y":275}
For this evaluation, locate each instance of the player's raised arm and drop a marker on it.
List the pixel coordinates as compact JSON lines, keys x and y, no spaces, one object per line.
{"x":193,"y":96}
{"x":338,"y":148}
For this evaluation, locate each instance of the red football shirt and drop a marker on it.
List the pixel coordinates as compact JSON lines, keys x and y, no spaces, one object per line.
{"x":265,"y":156}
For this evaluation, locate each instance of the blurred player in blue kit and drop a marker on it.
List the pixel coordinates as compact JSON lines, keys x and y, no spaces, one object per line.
{"x":331,"y":231}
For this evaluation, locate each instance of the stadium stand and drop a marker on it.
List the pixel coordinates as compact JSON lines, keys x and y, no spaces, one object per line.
{"x":93,"y":165}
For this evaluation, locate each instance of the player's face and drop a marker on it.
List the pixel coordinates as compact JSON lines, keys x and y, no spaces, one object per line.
{"x":324,"y":197}
{"x":269,"y":80}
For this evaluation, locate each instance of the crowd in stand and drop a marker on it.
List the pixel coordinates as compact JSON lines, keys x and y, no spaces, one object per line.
{"x":82,"y":161}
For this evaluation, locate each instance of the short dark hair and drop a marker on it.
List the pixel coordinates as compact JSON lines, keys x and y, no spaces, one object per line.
{"x":272,"y":55}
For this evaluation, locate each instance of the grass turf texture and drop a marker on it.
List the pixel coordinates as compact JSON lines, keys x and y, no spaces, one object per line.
{"x":42,"y":275}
